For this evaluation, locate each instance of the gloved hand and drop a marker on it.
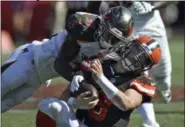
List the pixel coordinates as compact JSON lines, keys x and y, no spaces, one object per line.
{"x":75,"y":84}
{"x":141,"y":8}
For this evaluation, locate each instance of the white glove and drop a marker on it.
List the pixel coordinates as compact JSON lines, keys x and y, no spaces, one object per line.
{"x":75,"y":83}
{"x":141,"y":8}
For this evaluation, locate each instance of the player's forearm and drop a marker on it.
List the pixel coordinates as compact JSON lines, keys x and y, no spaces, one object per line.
{"x":159,"y":5}
{"x":122,"y":101}
{"x":117,"y":97}
{"x":63,"y":69}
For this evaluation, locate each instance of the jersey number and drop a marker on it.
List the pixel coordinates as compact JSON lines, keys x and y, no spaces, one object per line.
{"x":99,"y":112}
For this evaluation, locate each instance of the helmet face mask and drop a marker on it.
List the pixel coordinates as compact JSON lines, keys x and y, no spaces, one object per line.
{"x":136,"y":58}
{"x":108,"y":38}
{"x":115,"y":27}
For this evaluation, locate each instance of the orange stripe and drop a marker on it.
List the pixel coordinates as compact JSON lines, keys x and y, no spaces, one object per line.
{"x":144,"y":88}
{"x":148,"y":86}
{"x":140,"y":91}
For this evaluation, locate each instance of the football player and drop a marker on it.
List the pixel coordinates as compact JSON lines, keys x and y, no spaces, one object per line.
{"x":33,"y":64}
{"x":122,"y":86}
{"x":148,"y":22}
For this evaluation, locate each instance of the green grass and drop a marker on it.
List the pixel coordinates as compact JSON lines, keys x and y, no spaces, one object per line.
{"x":177,"y":54}
{"x":168,"y":115}
{"x":18,"y":119}
{"x":165,"y":120}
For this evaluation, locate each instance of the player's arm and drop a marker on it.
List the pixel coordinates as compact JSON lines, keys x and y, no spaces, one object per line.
{"x":77,"y":30}
{"x":129,"y":99}
{"x":70,"y":48}
{"x":141,"y":8}
{"x":63,"y":63}
{"x":160,"y":5}
{"x":138,"y":92}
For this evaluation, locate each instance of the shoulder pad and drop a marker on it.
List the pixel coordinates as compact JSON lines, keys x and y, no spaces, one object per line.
{"x":146,"y":80}
{"x":144,"y":85}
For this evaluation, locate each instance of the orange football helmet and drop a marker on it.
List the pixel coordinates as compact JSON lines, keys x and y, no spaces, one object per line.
{"x":141,"y":54}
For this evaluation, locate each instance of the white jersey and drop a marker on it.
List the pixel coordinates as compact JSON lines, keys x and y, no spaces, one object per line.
{"x":149,"y":24}
{"x":45,"y":54}
{"x":27,"y":68}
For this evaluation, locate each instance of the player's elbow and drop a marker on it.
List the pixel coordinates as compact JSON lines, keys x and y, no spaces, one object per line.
{"x":128,"y":105}
{"x":124,"y":102}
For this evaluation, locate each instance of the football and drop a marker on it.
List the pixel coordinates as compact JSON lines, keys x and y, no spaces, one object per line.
{"x":84,"y":87}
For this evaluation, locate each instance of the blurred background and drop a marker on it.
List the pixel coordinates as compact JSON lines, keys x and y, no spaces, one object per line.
{"x":25,"y":21}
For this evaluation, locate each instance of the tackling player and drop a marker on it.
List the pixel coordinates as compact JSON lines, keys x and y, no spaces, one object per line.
{"x":122,"y":88}
{"x":33,"y":64}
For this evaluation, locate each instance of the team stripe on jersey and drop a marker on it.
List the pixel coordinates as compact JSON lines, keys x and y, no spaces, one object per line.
{"x":143,"y":88}
{"x":152,"y":45}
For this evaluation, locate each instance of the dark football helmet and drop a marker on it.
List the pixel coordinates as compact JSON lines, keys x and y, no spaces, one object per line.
{"x":117,"y":24}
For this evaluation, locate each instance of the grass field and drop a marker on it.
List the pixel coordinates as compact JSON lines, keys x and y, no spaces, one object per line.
{"x":168,"y":115}
{"x":177,"y":55}
{"x":171,"y":115}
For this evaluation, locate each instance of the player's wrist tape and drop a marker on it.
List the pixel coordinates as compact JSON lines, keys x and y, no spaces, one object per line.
{"x":71,"y":102}
{"x":109,"y":89}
